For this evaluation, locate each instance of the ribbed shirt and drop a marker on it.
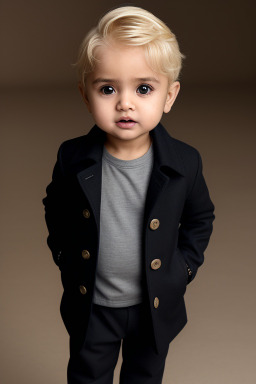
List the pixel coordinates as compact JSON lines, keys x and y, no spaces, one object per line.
{"x":120,"y":265}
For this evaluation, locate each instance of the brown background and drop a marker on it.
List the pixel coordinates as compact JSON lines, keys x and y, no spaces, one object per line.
{"x":41,"y":107}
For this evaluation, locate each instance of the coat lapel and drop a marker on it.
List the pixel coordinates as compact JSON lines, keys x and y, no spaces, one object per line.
{"x":167,"y":164}
{"x":90,"y":177}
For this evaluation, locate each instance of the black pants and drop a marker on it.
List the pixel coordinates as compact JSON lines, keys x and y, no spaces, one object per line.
{"x":108,"y":326}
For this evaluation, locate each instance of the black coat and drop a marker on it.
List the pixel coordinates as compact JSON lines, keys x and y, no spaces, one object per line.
{"x":177,"y":201}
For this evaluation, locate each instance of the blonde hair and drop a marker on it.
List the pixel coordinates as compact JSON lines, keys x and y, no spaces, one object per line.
{"x":136,"y":27}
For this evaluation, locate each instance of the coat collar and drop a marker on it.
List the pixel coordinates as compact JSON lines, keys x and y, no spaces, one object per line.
{"x":165,"y":152}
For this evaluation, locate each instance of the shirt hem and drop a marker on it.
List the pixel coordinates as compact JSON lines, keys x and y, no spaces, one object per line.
{"x":118,"y":303}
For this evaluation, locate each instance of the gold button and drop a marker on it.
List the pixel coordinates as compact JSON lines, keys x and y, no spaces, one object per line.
{"x":85,"y":254}
{"x":154,"y":224}
{"x":156,"y":302}
{"x":83,"y":290}
{"x":155,"y":264}
{"x":86,"y":213}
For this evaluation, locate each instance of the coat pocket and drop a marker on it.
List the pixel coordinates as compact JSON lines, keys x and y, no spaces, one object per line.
{"x":65,"y":312}
{"x":183,"y":266}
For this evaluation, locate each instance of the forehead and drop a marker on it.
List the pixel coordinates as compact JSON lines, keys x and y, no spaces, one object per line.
{"x":116,"y":59}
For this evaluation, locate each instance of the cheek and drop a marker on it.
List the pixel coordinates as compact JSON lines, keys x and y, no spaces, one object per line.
{"x":154,"y":108}
{"x":95,"y":105}
{"x":101,"y":111}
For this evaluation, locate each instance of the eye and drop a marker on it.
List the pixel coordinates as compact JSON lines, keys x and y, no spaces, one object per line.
{"x":144,"y":89}
{"x":107,"y":90}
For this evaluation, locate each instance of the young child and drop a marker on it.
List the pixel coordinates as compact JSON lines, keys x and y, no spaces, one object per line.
{"x":128,"y":210}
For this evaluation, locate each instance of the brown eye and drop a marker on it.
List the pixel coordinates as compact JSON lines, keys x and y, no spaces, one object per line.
{"x":107,"y":90}
{"x":144,"y":89}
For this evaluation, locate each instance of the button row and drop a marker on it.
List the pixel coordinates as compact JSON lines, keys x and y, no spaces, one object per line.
{"x":85,"y":253}
{"x":156,"y":263}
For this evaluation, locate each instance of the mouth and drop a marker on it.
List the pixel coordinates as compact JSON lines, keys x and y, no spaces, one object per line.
{"x":125,"y":123}
{"x":126,"y":119}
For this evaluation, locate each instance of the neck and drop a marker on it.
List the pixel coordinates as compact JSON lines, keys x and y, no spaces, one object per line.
{"x":128,"y":149}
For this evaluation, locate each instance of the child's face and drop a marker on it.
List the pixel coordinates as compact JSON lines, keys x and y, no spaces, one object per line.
{"x":122,"y":86}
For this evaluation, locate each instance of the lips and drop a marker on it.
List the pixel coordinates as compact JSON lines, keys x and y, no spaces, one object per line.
{"x":125,"y":122}
{"x":125,"y":119}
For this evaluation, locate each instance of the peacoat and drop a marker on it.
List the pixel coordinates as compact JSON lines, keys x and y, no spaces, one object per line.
{"x":178,"y":217}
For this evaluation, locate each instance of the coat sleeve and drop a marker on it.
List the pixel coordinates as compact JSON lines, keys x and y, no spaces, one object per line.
{"x":54,"y":206}
{"x":196,"y":222}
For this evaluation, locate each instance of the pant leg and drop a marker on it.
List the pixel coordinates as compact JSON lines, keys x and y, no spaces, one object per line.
{"x":96,"y":361}
{"x":141,"y":364}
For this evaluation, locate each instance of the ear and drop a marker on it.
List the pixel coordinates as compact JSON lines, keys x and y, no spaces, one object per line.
{"x":172,"y":93}
{"x":84,"y":95}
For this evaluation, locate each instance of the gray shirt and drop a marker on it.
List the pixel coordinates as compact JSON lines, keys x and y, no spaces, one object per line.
{"x":119,"y":270}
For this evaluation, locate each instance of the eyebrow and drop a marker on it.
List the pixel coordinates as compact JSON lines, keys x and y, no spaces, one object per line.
{"x":104,"y":80}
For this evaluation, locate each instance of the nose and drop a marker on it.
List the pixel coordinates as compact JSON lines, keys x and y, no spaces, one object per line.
{"x":125,"y":102}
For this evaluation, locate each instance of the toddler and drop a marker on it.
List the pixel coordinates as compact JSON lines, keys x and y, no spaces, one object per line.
{"x":128,"y":210}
